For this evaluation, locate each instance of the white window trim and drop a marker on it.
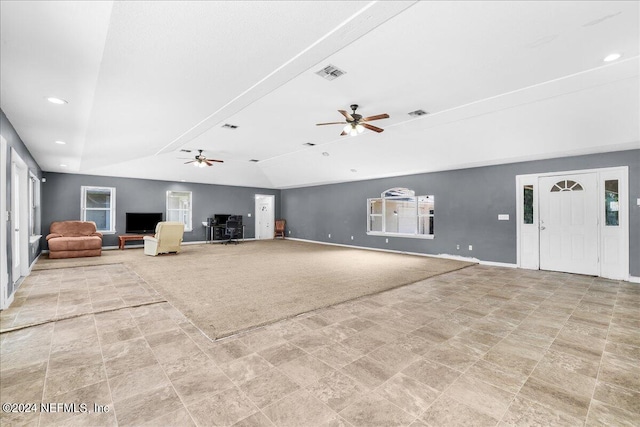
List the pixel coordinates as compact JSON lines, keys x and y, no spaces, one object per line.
{"x":112,"y":208}
{"x":34,"y":206}
{"x":409,"y":236}
{"x":187,"y":227}
{"x":382,"y":198}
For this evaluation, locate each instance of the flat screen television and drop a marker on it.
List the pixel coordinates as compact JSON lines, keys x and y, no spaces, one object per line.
{"x":220,"y":219}
{"x":142,"y":223}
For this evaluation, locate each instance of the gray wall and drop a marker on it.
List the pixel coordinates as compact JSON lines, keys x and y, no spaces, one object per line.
{"x":467,"y":204}
{"x":14,"y":141}
{"x":61,"y":201}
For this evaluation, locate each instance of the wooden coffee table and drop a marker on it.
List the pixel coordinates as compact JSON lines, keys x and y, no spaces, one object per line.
{"x":126,"y":237}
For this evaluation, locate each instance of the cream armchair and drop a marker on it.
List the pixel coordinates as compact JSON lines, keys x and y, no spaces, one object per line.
{"x":168,"y":238}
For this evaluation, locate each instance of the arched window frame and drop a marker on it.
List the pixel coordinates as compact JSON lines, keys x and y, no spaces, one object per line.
{"x":399,"y":212}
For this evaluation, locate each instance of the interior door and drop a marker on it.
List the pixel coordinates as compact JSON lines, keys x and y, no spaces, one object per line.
{"x":4,"y":264}
{"x":569,"y":223}
{"x":265,"y":216}
{"x":15,"y":222}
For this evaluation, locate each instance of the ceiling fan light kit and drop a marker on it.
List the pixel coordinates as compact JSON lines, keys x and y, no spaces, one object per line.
{"x":353,"y":129}
{"x":202,"y":161}
{"x":355,"y":123}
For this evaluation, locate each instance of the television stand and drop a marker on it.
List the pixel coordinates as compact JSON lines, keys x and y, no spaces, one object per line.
{"x":122,"y":239}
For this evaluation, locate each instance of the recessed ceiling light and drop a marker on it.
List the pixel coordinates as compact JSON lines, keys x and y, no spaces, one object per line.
{"x":60,"y":142}
{"x":63,"y":165}
{"x":324,"y":153}
{"x":612,"y":57}
{"x":354,"y":170}
{"x":54,"y":100}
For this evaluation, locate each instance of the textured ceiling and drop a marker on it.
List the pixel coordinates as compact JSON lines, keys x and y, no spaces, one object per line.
{"x":502,"y":82}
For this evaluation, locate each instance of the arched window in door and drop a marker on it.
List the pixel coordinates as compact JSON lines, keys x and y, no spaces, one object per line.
{"x":566,"y":185}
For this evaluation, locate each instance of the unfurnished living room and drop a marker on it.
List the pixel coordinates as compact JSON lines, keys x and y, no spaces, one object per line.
{"x":320,"y":213}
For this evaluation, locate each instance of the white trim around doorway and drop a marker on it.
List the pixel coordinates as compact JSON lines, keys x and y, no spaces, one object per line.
{"x":5,"y":300}
{"x":528,"y":240}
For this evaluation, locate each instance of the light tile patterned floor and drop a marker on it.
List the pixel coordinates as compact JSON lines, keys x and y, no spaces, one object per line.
{"x":480,"y":346}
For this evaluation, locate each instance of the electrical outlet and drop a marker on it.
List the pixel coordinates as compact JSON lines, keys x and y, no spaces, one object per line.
{"x":351,"y":237}
{"x":329,"y":235}
{"x":289,"y":231}
{"x":470,"y":247}
{"x":458,"y":247}
{"x":386,"y":240}
{"x":249,"y":215}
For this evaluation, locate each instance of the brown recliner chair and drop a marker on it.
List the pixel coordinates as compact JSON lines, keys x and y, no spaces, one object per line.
{"x":74,"y":239}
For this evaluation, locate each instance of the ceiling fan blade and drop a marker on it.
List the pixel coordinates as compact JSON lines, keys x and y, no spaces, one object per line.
{"x":215,"y":160}
{"x":192,"y":161}
{"x":208,"y":162}
{"x":347,"y":115}
{"x":376,"y":117}
{"x":343,"y":133}
{"x":330,"y":123}
{"x":371,"y":127}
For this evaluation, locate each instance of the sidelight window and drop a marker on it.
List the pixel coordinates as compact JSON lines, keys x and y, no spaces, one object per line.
{"x":528,"y":205}
{"x":611,"y":203}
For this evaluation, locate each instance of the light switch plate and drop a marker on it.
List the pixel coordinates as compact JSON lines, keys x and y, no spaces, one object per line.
{"x":503,"y":217}
{"x":638,"y":202}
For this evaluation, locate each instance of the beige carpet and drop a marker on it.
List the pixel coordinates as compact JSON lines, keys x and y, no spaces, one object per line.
{"x":226,"y":289}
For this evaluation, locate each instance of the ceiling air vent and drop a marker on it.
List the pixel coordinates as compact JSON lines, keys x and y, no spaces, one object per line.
{"x":309,"y":144}
{"x":330,"y":72}
{"x":254,"y":160}
{"x":418,"y":113}
{"x":184,"y":150}
{"x":228,"y":126}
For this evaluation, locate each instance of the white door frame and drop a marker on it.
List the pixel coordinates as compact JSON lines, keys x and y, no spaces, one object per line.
{"x":23,"y":241}
{"x":5,"y":300}
{"x":258,"y":235}
{"x":529,"y":234}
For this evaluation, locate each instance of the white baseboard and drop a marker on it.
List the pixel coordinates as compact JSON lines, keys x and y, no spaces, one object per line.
{"x":34,"y":262}
{"x":476,"y":260}
{"x":447,"y":256}
{"x":359,"y":247}
{"x":634,"y":279}
{"x":111,"y":248}
{"x":9,"y":300}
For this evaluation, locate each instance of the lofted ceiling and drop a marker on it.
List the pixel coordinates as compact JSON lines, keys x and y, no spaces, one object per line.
{"x":501,"y":82}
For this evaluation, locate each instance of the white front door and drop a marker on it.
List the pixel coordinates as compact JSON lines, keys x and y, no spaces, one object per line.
{"x":569,"y":223}
{"x":265,"y":216}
